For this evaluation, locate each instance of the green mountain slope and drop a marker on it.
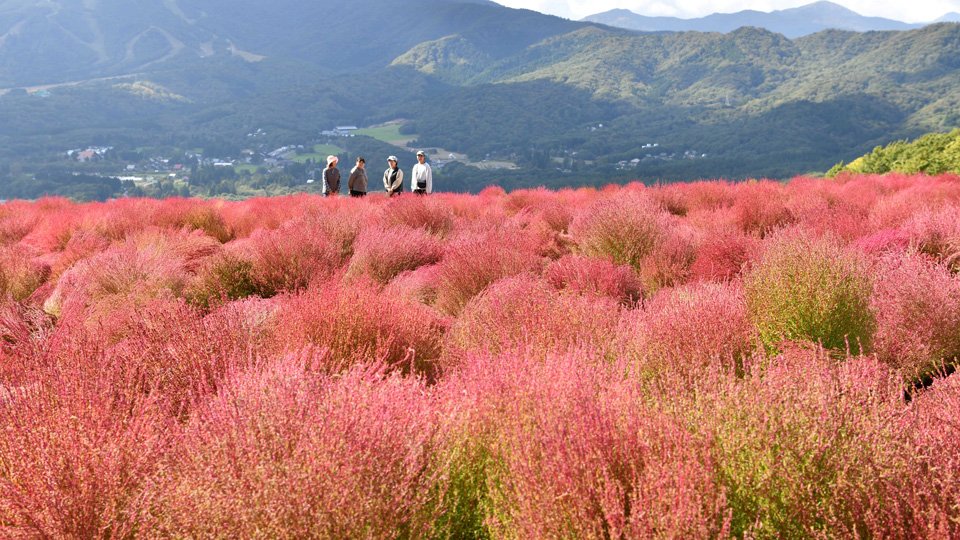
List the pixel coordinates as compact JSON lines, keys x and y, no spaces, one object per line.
{"x":934,"y":153}
{"x":68,"y":40}
{"x":468,"y":76}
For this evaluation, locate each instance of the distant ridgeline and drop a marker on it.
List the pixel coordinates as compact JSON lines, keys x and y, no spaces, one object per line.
{"x":935,"y":153}
{"x":566,"y":101}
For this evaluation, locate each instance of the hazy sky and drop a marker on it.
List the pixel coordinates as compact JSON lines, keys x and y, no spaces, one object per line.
{"x":910,"y":11}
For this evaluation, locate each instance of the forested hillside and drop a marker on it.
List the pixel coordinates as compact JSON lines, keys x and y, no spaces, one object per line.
{"x":567,"y":102}
{"x":935,"y":153}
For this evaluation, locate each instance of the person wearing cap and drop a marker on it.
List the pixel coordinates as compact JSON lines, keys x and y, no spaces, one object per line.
{"x":393,"y":177}
{"x":331,"y":177}
{"x":357,"y":183}
{"x":422,"y":181}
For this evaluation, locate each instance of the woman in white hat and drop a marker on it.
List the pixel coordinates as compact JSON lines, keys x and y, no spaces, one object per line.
{"x":393,"y":177}
{"x":331,"y":177}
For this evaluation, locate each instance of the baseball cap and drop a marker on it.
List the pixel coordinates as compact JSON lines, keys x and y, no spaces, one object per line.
{"x":392,"y":158}
{"x":420,"y":153}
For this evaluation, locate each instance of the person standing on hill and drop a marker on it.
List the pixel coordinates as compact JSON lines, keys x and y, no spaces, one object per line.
{"x":393,"y":177}
{"x":422,"y":182}
{"x":331,"y":177}
{"x":357,"y":183}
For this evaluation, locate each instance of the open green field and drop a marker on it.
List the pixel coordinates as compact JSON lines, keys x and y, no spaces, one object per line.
{"x":388,"y":133}
{"x":319,"y":154}
{"x":246,"y":168}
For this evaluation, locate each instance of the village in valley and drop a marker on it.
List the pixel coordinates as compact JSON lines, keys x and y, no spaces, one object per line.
{"x":174,"y":172}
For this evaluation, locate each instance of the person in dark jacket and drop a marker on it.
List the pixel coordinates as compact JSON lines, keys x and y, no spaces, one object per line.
{"x":331,"y":177}
{"x":393,"y":177}
{"x":357,"y":183}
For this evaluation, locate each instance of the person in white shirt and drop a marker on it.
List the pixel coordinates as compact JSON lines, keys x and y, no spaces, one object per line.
{"x":422,"y":178}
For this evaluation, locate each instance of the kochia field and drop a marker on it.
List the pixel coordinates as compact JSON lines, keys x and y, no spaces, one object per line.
{"x":759,"y":359}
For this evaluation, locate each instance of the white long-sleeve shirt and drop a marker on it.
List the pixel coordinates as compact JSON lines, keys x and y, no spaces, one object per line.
{"x":422,"y":173}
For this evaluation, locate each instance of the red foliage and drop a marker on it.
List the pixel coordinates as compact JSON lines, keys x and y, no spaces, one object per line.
{"x":917,"y":305}
{"x":283,"y":452}
{"x":383,"y":253}
{"x":523,"y":312}
{"x":574,"y":452}
{"x":471,"y":263}
{"x":761,"y":207}
{"x":293,"y":256}
{"x":419,"y":212}
{"x":722,"y":256}
{"x":445,"y":367}
{"x":587,"y":275}
{"x":358,"y":323}
{"x":684,"y":329}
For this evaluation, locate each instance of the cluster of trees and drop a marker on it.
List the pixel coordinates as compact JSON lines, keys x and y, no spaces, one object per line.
{"x":934,"y":153}
{"x":84,"y":187}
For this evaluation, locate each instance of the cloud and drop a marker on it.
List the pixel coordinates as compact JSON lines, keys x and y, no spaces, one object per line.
{"x":914,"y":11}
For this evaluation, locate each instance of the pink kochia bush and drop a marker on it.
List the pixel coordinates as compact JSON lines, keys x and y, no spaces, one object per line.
{"x":706,"y":360}
{"x":285,"y":452}
{"x":473,"y":262}
{"x":592,"y":276}
{"x":917,"y":305}
{"x":524,"y":313}
{"x":382,"y":254}
{"x":358,"y":323}
{"x":567,"y":449}
{"x":682,"y":330}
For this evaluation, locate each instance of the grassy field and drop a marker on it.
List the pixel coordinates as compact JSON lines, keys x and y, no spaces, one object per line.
{"x":246,"y":168}
{"x":319,"y":154}
{"x":388,"y":133}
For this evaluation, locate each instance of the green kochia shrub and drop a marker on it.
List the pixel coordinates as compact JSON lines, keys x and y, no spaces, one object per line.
{"x":806,"y":288}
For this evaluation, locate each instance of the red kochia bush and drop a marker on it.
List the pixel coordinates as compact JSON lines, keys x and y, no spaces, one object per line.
{"x":575,"y":453}
{"x":177,"y":355}
{"x":120,"y":277}
{"x":418,"y":285}
{"x":428,"y":213}
{"x":917,"y":306}
{"x":471,"y":263}
{"x":285,"y":453}
{"x":291,"y":257}
{"x":20,"y":274}
{"x":937,"y":233}
{"x":357,"y":322}
{"x":523,"y":312}
{"x":17,"y":219}
{"x":723,"y":255}
{"x":932,"y":490}
{"x":382,"y":254}
{"x":601,"y":277}
{"x":79,"y":452}
{"x":761,"y":207}
{"x":682,"y":330}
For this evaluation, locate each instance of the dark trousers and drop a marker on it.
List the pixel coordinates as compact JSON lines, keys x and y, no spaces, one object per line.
{"x":358,"y":193}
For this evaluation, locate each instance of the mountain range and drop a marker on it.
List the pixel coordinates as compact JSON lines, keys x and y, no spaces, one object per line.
{"x":53,"y":41}
{"x":792,"y":23}
{"x":466,"y":75}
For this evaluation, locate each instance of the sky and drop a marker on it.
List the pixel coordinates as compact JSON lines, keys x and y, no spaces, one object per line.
{"x":909,"y":11}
